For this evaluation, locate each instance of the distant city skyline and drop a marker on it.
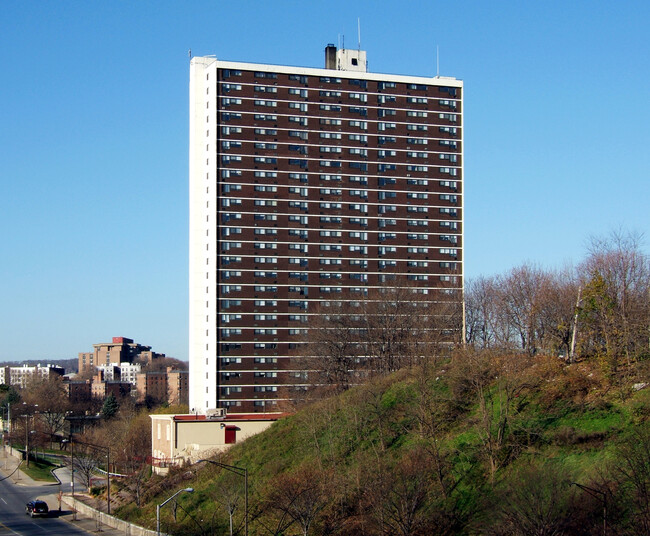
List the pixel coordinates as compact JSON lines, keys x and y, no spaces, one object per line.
{"x":94,"y":153}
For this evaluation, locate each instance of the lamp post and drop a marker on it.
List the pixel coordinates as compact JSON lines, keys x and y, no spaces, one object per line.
{"x":27,"y":432}
{"x":27,"y":440}
{"x":159,"y":506}
{"x":27,"y":416}
{"x":241,"y":471}
{"x":4,"y":421}
{"x":74,"y":510}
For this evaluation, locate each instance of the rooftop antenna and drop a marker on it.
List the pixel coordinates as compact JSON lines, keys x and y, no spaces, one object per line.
{"x":359,"y":30}
{"x":437,"y":61}
{"x":189,"y":53}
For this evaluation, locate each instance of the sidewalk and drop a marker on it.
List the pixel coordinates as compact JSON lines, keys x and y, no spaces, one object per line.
{"x":9,"y":467}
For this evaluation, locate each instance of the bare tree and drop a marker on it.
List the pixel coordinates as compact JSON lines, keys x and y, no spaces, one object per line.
{"x":86,"y":460}
{"x":398,"y":496}
{"x":632,"y":471}
{"x":228,"y":494}
{"x":161,"y":363}
{"x":528,"y":309}
{"x":522,"y":293}
{"x":300,"y":496}
{"x":48,"y":396}
{"x":332,"y":352}
{"x":137,"y":480}
{"x":481,"y":320}
{"x":615,"y":310}
{"x":557,"y":311}
{"x":535,"y":500}
{"x":391,"y":328}
{"x":500,"y":383}
{"x":128,"y":435}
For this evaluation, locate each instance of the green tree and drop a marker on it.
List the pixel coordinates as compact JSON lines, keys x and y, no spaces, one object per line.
{"x":110,"y":407}
{"x":8,"y":395}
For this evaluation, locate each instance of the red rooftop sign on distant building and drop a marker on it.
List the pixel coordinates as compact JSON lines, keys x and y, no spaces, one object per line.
{"x":122,"y":340}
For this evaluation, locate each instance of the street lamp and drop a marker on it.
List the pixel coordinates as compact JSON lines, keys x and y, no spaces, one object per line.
{"x":241,"y":471}
{"x":27,"y":432}
{"x":159,"y":506}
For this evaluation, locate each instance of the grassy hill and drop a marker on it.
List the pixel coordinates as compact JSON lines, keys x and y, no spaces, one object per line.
{"x":483,"y":444}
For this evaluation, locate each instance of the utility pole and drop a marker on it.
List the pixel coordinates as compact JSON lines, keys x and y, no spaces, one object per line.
{"x":27,"y":438}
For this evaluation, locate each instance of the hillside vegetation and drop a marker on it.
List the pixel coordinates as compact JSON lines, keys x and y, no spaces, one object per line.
{"x":483,"y":443}
{"x":500,"y":438}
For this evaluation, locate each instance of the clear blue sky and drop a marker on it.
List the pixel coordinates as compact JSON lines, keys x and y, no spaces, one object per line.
{"x":94,"y":138}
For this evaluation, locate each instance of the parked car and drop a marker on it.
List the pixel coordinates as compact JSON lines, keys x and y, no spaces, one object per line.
{"x":36,"y":508}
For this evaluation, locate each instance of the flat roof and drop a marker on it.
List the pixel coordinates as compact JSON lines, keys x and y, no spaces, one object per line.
{"x":311,"y":71}
{"x":234,"y":417}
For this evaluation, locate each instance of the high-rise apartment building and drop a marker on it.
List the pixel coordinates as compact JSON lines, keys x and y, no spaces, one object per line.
{"x":309,"y":187}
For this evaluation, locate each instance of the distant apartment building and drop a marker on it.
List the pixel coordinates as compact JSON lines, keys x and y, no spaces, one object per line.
{"x":152,"y":386}
{"x":78,"y":391}
{"x":120,"y":350}
{"x":102,"y":389}
{"x":124,"y":372}
{"x":21,"y":376}
{"x":109,"y":372}
{"x":129,"y":372}
{"x":171,"y":386}
{"x":178,"y":382}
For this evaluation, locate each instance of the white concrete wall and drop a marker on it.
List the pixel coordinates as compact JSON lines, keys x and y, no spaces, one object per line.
{"x":203,"y":237}
{"x":344,"y":57}
{"x":113,"y":522}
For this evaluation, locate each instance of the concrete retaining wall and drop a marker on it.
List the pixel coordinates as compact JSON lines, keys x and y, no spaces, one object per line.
{"x":20,"y":454}
{"x":129,"y":529}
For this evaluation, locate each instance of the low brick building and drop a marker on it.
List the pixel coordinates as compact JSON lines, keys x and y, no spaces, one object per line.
{"x":176,"y":439}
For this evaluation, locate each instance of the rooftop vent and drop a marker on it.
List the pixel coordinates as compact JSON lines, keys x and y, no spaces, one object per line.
{"x":215,"y":413}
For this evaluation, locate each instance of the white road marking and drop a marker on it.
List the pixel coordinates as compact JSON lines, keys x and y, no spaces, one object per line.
{"x":11,"y":530}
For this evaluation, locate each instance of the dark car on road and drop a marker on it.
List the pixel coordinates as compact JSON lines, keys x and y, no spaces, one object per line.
{"x":36,"y":508}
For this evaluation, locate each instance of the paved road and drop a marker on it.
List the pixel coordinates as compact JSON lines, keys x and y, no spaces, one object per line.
{"x":13,"y":519}
{"x":16,"y":489}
